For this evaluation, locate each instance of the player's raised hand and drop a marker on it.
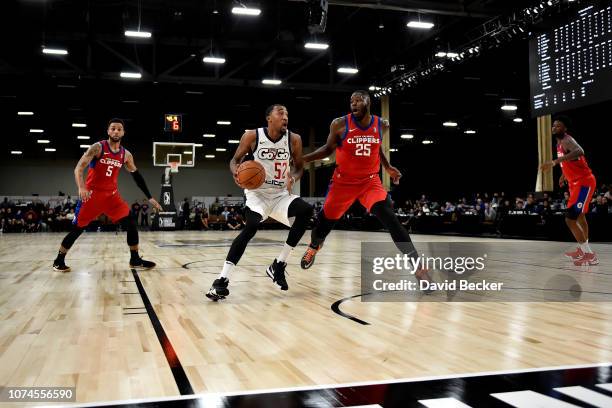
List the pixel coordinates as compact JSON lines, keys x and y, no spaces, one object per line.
{"x":84,"y":194}
{"x":155,"y":204}
{"x":395,"y":174}
{"x":562,"y":181}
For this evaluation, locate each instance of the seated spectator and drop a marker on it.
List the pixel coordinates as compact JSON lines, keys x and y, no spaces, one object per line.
{"x":531,"y":206}
{"x":489,"y":213}
{"x":225,"y":214}
{"x":233,"y":223}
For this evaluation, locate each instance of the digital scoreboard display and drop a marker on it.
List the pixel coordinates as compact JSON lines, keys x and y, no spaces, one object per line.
{"x":173,"y":123}
{"x":571,"y":65}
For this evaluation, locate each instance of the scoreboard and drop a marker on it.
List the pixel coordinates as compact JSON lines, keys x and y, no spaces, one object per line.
{"x":571,"y":65}
{"x":173,"y":123}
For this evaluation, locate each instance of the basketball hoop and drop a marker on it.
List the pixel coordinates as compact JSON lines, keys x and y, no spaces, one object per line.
{"x":174,"y":166}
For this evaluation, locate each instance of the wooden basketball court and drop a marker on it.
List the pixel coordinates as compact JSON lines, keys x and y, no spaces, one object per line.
{"x":117,"y":334}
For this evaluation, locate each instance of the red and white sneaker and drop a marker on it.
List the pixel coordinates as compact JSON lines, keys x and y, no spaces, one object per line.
{"x":575,"y":255}
{"x":587,"y":259}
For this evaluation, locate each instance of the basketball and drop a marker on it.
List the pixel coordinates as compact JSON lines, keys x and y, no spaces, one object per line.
{"x":251,"y":174}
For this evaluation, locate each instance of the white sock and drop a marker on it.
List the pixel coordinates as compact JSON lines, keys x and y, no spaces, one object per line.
{"x":284,"y":253}
{"x":227,"y":268}
{"x":586,"y":248}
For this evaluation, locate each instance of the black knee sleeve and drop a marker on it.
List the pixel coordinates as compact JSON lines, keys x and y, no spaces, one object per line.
{"x":322,"y":228}
{"x":384,"y":212}
{"x":240,"y":242}
{"x":72,"y":236}
{"x":129,"y":224}
{"x":302,"y":211}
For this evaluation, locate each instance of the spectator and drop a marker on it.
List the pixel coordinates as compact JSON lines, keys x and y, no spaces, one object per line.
{"x":225,"y":213}
{"x":233,"y":223}
{"x":135,"y":209}
{"x":144,"y":213}
{"x":185,"y":215}
{"x":489,"y":212}
{"x":531,"y":206}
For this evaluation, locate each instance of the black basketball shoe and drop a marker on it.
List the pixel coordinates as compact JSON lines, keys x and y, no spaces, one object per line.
{"x":309,"y":256}
{"x":218,"y":290}
{"x":276,"y":272}
{"x":139,"y":263}
{"x":60,"y":266}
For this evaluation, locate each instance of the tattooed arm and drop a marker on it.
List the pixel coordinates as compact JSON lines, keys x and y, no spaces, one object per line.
{"x":91,"y":153}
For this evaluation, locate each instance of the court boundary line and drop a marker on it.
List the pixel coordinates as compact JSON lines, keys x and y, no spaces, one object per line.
{"x":339,"y":385}
{"x":178,"y":372}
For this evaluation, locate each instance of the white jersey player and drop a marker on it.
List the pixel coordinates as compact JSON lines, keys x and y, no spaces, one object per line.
{"x":279,"y":151}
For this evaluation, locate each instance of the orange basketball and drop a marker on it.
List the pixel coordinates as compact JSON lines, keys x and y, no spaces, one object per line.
{"x":251,"y":174}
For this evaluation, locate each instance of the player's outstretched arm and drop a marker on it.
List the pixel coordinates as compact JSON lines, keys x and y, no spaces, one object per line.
{"x":247,"y":144}
{"x":140,"y":182}
{"x":93,"y":151}
{"x":297,"y":168}
{"x":335,"y":129}
{"x":573,"y":149}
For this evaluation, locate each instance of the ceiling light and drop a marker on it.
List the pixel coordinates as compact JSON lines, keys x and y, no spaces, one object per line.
{"x":209,"y":135}
{"x":83,"y":137}
{"x":271,"y":81}
{"x":517,"y":120}
{"x":440,"y":54}
{"x":49,"y":149}
{"x":84,"y":146}
{"x":131,"y":75}
{"x":393,"y":150}
{"x":16,"y":152}
{"x":210,"y":156}
{"x":246,"y":11}
{"x":187,"y":152}
{"x":450,"y":124}
{"x":233,"y":141}
{"x":507,"y":107}
{"x":198,"y":145}
{"x":348,"y":70}
{"x":54,"y":51}
{"x":426,"y":142}
{"x":420,"y":24}
{"x":42,"y":141}
{"x":36,"y":131}
{"x":470,"y":132}
{"x":452,"y":55}
{"x":25,"y":113}
{"x":407,"y":136}
{"x":79,"y":125}
{"x":214,"y":60}
{"x":220,"y":149}
{"x":224,"y":122}
{"x":316,"y":46}
{"x":138,"y":34}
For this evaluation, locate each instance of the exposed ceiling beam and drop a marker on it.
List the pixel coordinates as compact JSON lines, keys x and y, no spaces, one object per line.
{"x":411,"y":6}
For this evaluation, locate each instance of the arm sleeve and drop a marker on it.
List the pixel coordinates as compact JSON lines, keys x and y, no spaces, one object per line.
{"x":140,"y":182}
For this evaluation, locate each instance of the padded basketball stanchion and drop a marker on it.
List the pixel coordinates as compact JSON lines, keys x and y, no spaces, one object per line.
{"x":166,"y":219}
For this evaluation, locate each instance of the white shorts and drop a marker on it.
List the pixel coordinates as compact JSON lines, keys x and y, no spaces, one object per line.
{"x":271,"y":204}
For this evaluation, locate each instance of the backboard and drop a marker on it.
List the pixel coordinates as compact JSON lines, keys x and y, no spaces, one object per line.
{"x":166,"y":152}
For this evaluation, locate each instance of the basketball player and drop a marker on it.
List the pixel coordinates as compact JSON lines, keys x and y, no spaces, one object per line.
{"x":279,"y":151}
{"x":99,"y":195}
{"x":576,"y":173}
{"x":356,"y":138}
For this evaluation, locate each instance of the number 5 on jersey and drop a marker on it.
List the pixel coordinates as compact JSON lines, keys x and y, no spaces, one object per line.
{"x":109,"y":171}
{"x":280,"y":170}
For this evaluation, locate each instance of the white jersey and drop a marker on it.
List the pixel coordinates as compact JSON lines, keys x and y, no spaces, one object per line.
{"x":275,"y":158}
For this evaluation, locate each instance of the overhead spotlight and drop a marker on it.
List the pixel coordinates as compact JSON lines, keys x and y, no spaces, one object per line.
{"x":25,"y":113}
{"x":84,"y":146}
{"x":198,"y":145}
{"x":407,"y":136}
{"x":517,"y":120}
{"x":426,"y":142}
{"x":213,"y":60}
{"x":348,"y":70}
{"x":224,"y":122}
{"x":54,"y":51}
{"x":79,"y":125}
{"x":83,"y":137}
{"x":138,"y":34}
{"x":508,"y":107}
{"x":271,"y":81}
{"x":450,"y":124}
{"x":233,"y":141}
{"x":208,"y":135}
{"x":131,"y":75}
{"x":440,"y":54}
{"x":392,"y":150}
{"x":210,"y":156}
{"x":36,"y":130}
{"x":420,"y":25}
{"x":16,"y":152}
{"x":246,"y":11}
{"x":470,"y":132}
{"x":316,"y":46}
{"x":451,"y":55}
{"x":221,"y":149}
{"x":50,"y":149}
{"x":43,"y":141}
